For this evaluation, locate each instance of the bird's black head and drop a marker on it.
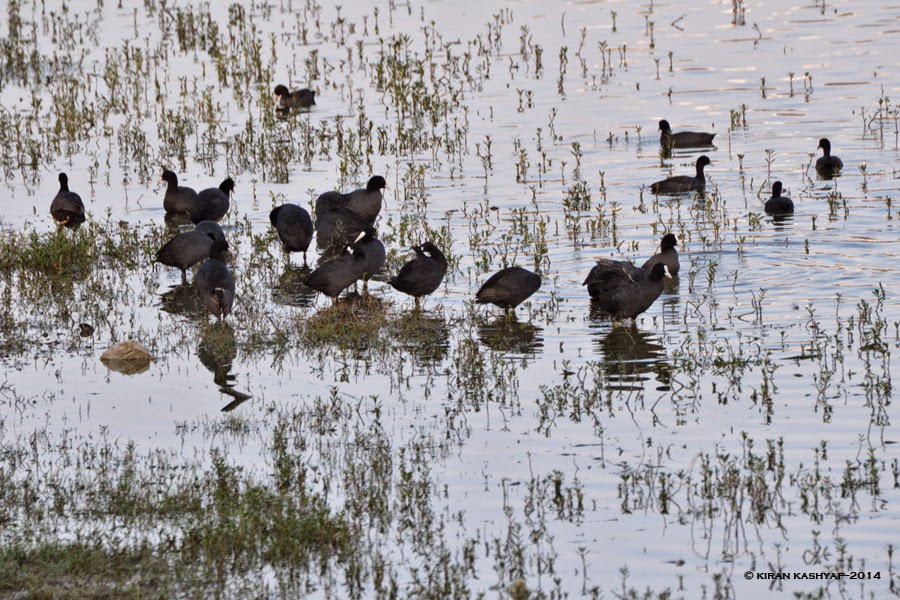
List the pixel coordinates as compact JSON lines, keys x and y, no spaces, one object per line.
{"x":227,"y":185}
{"x":703,"y":161}
{"x":776,"y":189}
{"x":218,"y":247}
{"x":169,"y":177}
{"x":281,"y":90}
{"x":664,"y":126}
{"x":376,"y":183}
{"x":668,"y":241}
{"x":659,"y":271}
{"x":825,"y":145}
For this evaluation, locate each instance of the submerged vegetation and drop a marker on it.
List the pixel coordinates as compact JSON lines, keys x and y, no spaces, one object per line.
{"x":376,"y":449}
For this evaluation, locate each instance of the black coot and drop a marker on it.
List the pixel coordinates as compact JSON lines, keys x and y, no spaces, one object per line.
{"x":211,"y":228}
{"x":375,"y":256}
{"x":667,"y":255}
{"x":336,"y":275}
{"x":423,"y":274}
{"x":365,"y":202}
{"x":179,"y":200}
{"x":622,"y":289}
{"x":828,"y":166}
{"x":187,"y":249}
{"x":213,"y":203}
{"x":508,"y":287}
{"x":287,"y":99}
{"x":294,"y":227}
{"x":778,"y":204}
{"x":682,"y":139}
{"x":67,"y":208}
{"x":214,"y":282}
{"x":338,"y":228}
{"x":683,"y":183}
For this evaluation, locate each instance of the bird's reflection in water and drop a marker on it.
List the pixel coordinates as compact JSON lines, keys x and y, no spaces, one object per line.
{"x":182,"y":300}
{"x":783,"y":222}
{"x":508,"y":334}
{"x":629,"y":354}
{"x":424,"y":335}
{"x":290,"y":289}
{"x":217,"y":351}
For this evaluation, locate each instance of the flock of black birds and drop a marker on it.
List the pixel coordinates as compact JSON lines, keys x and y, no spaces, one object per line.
{"x":345,"y":233}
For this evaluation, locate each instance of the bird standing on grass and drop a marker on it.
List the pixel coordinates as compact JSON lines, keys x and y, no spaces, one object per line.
{"x":336,"y":275}
{"x":67,"y":209}
{"x":423,"y":274}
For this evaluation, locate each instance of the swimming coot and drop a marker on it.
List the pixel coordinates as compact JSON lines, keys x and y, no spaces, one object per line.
{"x":179,"y":200}
{"x":508,"y":288}
{"x":778,"y":204}
{"x":423,"y":274}
{"x":214,"y":282}
{"x":683,"y":183}
{"x":682,"y":139}
{"x":365,"y":202}
{"x":338,"y":228}
{"x":213,"y":203}
{"x":828,"y":166}
{"x":67,"y":209}
{"x":298,"y":99}
{"x":622,"y":289}
{"x":336,"y":275}
{"x":294,"y":227}
{"x":667,"y":255}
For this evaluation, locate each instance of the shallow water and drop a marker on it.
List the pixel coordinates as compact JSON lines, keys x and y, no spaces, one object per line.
{"x":726,"y":355}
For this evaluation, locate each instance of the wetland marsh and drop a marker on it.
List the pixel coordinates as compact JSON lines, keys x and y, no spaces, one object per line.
{"x":743,"y":424}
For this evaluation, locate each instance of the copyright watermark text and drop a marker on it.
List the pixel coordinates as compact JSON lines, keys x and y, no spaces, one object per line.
{"x":775,"y":575}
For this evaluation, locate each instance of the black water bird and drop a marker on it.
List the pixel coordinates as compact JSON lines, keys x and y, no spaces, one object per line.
{"x":778,"y":204}
{"x":682,"y":139}
{"x":624,"y":290}
{"x":683,"y":183}
{"x":179,"y":199}
{"x":828,"y":166}
{"x":294,"y":227}
{"x":375,"y":256}
{"x":508,"y":288}
{"x":214,"y":282}
{"x":365,"y":202}
{"x":667,"y":255}
{"x":423,"y":274}
{"x":67,"y":209}
{"x":187,"y":249}
{"x":211,"y":228}
{"x":336,"y":275}
{"x":213,"y":203}
{"x":338,"y":227}
{"x":303,"y":98}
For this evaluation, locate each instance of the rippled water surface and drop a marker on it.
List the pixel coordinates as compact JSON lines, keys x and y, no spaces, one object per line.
{"x":743,"y":423}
